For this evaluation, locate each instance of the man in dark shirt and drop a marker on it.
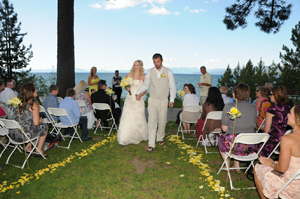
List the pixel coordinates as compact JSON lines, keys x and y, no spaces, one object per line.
{"x":101,"y":97}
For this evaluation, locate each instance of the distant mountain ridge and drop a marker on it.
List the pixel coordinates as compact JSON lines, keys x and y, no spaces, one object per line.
{"x":190,"y":70}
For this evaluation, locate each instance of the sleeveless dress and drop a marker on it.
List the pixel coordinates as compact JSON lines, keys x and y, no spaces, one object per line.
{"x":95,"y":87}
{"x":87,"y":111}
{"x":271,"y":183}
{"x":133,"y":127}
{"x":27,"y":124}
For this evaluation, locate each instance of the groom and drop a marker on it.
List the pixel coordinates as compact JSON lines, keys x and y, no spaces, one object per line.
{"x":161,"y":79}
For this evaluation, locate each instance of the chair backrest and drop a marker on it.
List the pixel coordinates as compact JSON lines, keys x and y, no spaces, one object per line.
{"x":191,"y":114}
{"x":10,"y":124}
{"x":57,"y":112}
{"x":80,"y":103}
{"x":3,"y":130}
{"x":101,"y":106}
{"x":275,"y":148}
{"x":42,"y":109}
{"x":213,"y":115}
{"x":252,"y":138}
{"x":59,"y":99}
{"x":42,"y":99}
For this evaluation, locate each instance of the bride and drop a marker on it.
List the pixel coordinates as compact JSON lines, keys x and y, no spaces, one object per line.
{"x":133,"y":127}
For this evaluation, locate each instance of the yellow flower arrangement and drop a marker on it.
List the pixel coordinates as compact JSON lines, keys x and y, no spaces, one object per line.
{"x":127,"y":82}
{"x":181,"y":93}
{"x":97,"y":80}
{"x":14,"y":102}
{"x":109,"y":91}
{"x":234,"y":113}
{"x":163,"y":75}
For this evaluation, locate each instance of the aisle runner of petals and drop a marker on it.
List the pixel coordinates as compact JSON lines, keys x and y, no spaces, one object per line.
{"x":52,"y":167}
{"x":204,"y":169}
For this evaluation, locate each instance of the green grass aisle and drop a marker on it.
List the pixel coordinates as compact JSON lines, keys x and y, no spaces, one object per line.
{"x":104,"y":169}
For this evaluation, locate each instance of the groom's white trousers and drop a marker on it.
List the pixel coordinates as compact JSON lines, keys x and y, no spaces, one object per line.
{"x":157,"y":110}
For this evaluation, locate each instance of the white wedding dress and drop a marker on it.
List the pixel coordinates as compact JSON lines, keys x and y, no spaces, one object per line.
{"x":133,"y":127}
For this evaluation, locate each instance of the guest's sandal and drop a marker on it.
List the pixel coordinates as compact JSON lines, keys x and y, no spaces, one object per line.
{"x":161,"y":143}
{"x":150,"y":149}
{"x":39,"y":155}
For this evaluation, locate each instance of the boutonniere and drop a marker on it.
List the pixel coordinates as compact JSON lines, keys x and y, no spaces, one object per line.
{"x":163,"y":75}
{"x":203,"y":76}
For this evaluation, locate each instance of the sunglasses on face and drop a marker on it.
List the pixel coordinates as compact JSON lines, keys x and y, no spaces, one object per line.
{"x":257,"y":90}
{"x":271,"y":94}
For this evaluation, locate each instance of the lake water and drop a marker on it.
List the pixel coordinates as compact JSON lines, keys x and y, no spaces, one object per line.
{"x":180,"y":79}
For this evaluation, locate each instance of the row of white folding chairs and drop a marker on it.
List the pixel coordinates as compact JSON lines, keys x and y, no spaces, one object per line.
{"x":42,"y":99}
{"x":5,"y":125}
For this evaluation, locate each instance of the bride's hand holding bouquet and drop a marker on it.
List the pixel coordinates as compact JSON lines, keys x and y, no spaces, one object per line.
{"x":126,"y":83}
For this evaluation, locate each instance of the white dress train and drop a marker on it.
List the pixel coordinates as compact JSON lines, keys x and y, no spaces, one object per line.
{"x":133,"y":126}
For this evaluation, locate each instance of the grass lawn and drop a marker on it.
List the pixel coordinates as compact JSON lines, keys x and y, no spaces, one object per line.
{"x":104,"y":169}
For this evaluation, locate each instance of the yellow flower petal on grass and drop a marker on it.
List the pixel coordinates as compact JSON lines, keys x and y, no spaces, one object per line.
{"x":201,"y":187}
{"x":181,"y":175}
{"x":17,"y":192}
{"x":168,"y":162}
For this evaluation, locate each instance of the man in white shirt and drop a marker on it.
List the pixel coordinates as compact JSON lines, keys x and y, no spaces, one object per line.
{"x":161,"y":80}
{"x":224,"y":91}
{"x":8,"y":93}
{"x":204,"y":84}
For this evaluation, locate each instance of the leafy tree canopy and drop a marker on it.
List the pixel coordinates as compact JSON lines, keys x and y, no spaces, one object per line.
{"x":270,"y":14}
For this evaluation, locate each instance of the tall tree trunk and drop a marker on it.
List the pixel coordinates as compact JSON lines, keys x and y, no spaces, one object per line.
{"x":65,"y":46}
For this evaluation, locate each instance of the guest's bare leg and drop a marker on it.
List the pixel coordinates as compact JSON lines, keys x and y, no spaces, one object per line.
{"x":236,"y":164}
{"x":41,"y":143}
{"x":258,"y":185}
{"x":184,"y":125}
{"x":28,"y":147}
{"x":188,"y":126}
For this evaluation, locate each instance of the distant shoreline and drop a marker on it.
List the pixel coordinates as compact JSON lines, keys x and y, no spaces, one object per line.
{"x":123,"y":73}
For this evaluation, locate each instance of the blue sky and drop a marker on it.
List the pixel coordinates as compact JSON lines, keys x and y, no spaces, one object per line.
{"x":113,"y":34}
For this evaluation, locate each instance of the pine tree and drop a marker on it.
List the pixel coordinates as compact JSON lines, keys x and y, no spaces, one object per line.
{"x":290,"y":71}
{"x":13,"y":54}
{"x":261,"y":76}
{"x":237,"y":73}
{"x":247,"y":76}
{"x":272,"y":73}
{"x":271,"y":14}
{"x":226,"y":79}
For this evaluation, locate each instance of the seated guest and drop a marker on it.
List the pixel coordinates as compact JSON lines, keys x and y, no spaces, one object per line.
{"x":214,"y":102}
{"x":31,"y":123}
{"x":72,"y":107}
{"x":276,"y":118}
{"x":2,"y":112}
{"x":190,"y":99}
{"x":267,"y":183}
{"x":101,"y":97}
{"x":82,"y":94}
{"x":269,"y":85}
{"x":51,"y":100}
{"x":262,"y":104}
{"x":244,"y":124}
{"x":8,"y":93}
{"x":224,"y":92}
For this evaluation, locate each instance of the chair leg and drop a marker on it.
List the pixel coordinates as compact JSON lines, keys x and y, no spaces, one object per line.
{"x":97,"y":126}
{"x":178,"y":128}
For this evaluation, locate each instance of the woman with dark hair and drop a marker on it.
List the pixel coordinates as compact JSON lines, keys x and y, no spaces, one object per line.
{"x":214,"y":102}
{"x":262,"y":104}
{"x":190,"y":99}
{"x":244,"y":124}
{"x":276,"y":118}
{"x":267,"y":183}
{"x":29,"y":118}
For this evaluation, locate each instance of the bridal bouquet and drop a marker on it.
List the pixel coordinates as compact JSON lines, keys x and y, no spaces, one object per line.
{"x":127,"y":82}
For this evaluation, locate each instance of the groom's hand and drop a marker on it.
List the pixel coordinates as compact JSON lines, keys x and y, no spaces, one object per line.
{"x":137,"y":97}
{"x":171,"y":104}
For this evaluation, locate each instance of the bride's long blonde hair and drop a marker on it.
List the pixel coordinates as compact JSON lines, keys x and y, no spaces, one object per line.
{"x":142,"y":70}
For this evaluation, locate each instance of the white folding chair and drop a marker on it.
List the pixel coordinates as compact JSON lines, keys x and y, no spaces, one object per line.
{"x":213,"y":115}
{"x":81,"y":103}
{"x":59,"y":125}
{"x":245,"y":138}
{"x":189,"y":114}
{"x":48,"y":120}
{"x":275,"y":149}
{"x":296,"y":176}
{"x":260,"y":125}
{"x":102,"y":107}
{"x":59,"y":99}
{"x":3,"y":132}
{"x":12,"y":124}
{"x":42,"y":99}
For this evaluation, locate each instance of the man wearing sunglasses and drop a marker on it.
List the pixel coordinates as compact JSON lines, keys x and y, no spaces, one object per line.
{"x":8,"y":92}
